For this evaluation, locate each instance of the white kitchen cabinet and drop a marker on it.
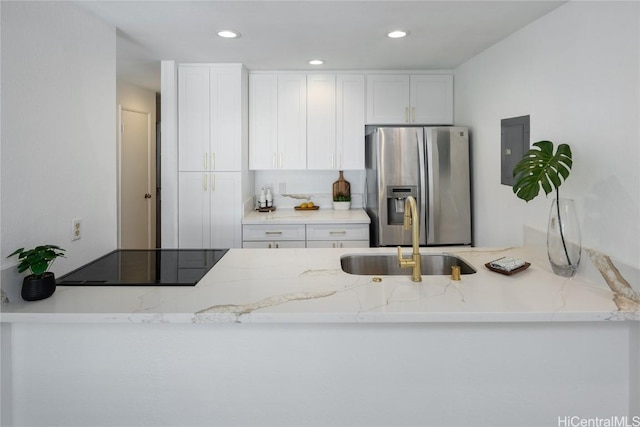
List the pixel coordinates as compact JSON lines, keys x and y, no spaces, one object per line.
{"x":263,"y":121}
{"x":350,"y":121}
{"x":209,"y":214}
{"x":335,"y":121}
{"x":278,"y":121}
{"x":337,"y":243}
{"x":209,"y":117}
{"x":274,"y":244}
{"x":410,"y":99}
{"x":337,"y":235}
{"x":292,"y":121}
{"x":321,"y":121}
{"x":273,"y":236}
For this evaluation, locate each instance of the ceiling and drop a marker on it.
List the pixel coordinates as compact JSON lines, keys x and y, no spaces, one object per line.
{"x":284,"y":35}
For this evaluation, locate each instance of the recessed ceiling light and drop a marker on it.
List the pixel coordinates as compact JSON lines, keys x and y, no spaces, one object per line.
{"x":397,"y":34}
{"x":316,"y":62}
{"x":228,"y":34}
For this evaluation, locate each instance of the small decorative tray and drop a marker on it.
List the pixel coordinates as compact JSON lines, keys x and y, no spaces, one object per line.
{"x":270,"y":209}
{"x":312,"y":208}
{"x":508,"y":273}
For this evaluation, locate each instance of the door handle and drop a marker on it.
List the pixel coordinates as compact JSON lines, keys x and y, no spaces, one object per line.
{"x":147,"y":196}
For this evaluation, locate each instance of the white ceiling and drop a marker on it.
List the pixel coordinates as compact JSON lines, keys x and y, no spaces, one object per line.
{"x":284,"y":35}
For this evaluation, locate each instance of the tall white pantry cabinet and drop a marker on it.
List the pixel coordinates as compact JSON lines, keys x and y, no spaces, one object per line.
{"x":212,"y":149}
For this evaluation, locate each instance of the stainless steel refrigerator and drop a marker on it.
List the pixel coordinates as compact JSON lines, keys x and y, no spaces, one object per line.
{"x":432,"y":165}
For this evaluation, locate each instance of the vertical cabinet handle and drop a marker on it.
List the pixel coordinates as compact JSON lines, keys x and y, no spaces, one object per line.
{"x":413,"y":114}
{"x":213,"y":182}
{"x":213,"y":161}
{"x":205,"y":160}
{"x":205,"y":180}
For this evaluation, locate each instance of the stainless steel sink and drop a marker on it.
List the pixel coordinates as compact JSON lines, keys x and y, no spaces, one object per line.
{"x":383,"y":265}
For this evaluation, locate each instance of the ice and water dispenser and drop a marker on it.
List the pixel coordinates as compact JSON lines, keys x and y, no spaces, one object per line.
{"x":396,"y":198}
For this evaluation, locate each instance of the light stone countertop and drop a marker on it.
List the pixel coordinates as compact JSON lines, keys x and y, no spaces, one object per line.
{"x":308,"y":286}
{"x":320,"y":216}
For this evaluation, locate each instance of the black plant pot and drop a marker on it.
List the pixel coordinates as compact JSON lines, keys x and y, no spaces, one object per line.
{"x":36,"y":288}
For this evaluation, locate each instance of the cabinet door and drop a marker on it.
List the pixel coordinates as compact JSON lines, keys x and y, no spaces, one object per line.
{"x":321,"y":121}
{"x":193,"y":210}
{"x":432,"y":99}
{"x":263,"y":121}
{"x":193,"y":116}
{"x":292,"y":121}
{"x":274,"y":244}
{"x":387,"y":99}
{"x":350,"y":120}
{"x":225,"y":210}
{"x":226,"y":118}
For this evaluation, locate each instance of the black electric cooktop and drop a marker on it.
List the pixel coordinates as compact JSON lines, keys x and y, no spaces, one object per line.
{"x":139,"y":267}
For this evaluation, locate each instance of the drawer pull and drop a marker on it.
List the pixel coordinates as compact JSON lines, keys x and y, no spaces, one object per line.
{"x":273,"y":233}
{"x":338,"y":233}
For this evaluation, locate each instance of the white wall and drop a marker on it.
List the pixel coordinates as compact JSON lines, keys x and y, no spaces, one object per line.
{"x":58,"y":132}
{"x":575,"y":72}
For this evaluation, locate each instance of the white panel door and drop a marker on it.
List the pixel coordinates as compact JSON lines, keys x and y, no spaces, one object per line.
{"x":263,"y":121}
{"x":387,"y":99}
{"x":321,"y":121}
{"x":136,"y":206}
{"x":225,"y":210}
{"x":292,"y":121}
{"x":226,"y":119}
{"x":350,"y":121}
{"x":432,"y":99}
{"x":193,"y":118}
{"x":193,"y":210}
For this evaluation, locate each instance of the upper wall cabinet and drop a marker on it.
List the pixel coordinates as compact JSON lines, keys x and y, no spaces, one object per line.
{"x":410,"y":99}
{"x":313,"y":121}
{"x":209,"y":117}
{"x":335,"y":121}
{"x":277,"y":121}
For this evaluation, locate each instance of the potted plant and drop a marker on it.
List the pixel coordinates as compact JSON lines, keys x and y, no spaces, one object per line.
{"x":341,"y":201}
{"x":41,"y":283}
{"x":539,"y":168}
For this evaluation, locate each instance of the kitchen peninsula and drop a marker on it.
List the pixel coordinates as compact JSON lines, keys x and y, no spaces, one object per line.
{"x":285,"y":337}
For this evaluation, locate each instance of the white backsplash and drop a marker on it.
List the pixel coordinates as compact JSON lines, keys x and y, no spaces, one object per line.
{"x":290,"y":188}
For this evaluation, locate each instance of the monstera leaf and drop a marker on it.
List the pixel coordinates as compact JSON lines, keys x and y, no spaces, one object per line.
{"x":540,"y":167}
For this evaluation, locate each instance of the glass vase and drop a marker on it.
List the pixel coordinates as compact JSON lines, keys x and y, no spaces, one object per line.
{"x":564,"y":242}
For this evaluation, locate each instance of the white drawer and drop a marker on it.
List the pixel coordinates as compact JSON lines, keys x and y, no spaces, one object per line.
{"x":273,"y":232}
{"x":274,"y":245}
{"x":337,"y":232}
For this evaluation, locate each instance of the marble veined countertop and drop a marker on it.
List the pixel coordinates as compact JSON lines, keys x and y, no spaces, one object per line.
{"x":320,"y":216}
{"x":308,"y":285}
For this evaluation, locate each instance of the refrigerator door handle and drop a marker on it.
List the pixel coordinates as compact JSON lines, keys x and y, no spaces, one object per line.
{"x":433,"y":174}
{"x":422,"y":190}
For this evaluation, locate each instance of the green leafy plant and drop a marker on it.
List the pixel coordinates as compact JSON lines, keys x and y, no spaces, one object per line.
{"x":539,"y":168}
{"x":341,"y":197}
{"x":37,"y":260}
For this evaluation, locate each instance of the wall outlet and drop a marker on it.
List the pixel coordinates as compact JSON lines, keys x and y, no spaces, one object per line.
{"x":76,"y":230}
